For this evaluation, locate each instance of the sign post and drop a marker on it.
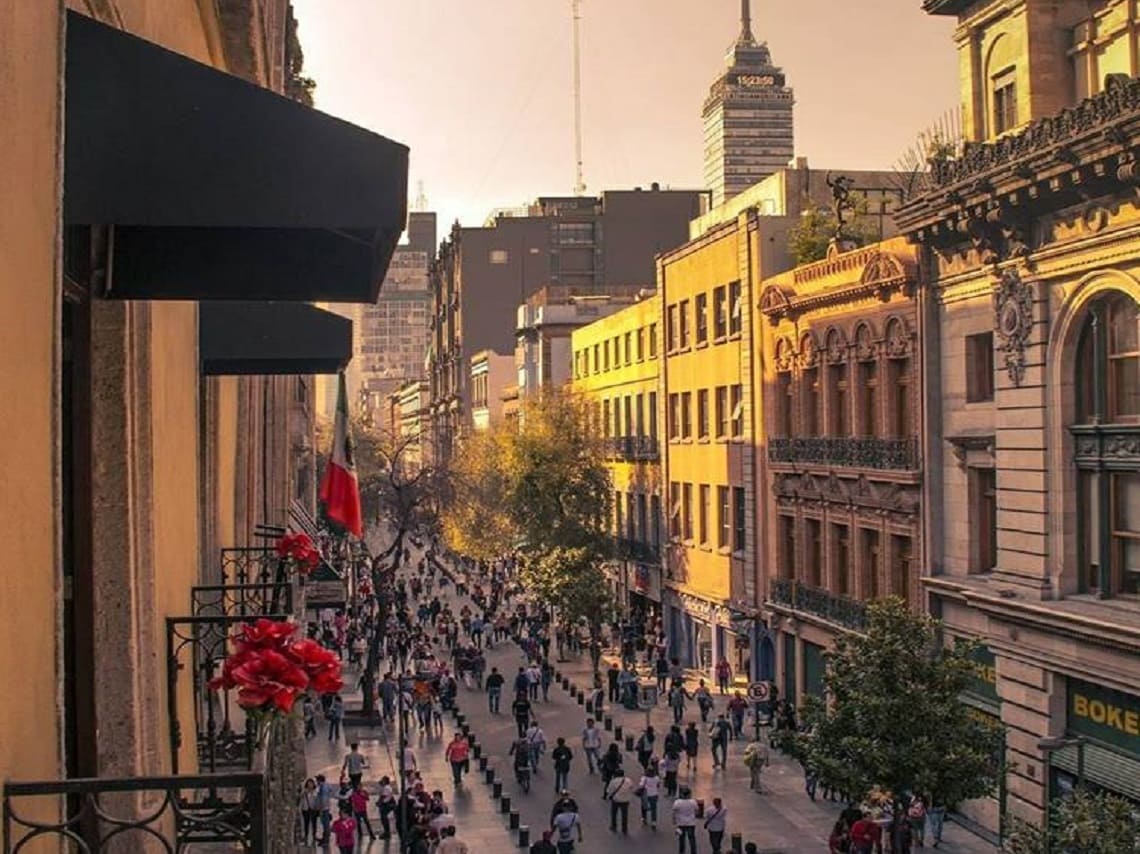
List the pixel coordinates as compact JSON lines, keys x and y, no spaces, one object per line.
{"x":758,"y":693}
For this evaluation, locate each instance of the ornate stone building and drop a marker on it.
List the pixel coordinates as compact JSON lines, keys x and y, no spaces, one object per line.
{"x":842,"y":496}
{"x":1031,"y":327}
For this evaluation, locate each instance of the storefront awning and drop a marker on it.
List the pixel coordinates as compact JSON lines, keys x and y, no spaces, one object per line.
{"x":271,"y":338}
{"x":217,"y":188}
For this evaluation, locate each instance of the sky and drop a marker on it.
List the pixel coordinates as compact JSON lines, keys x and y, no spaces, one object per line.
{"x":481,"y":90}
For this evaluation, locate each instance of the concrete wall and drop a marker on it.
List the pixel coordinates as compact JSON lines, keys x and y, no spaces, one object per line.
{"x":29,"y":291}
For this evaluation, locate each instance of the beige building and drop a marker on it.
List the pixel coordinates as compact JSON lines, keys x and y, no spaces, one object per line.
{"x":1031,"y":323}
{"x":146,"y":436}
{"x":491,"y":375}
{"x":408,"y":408}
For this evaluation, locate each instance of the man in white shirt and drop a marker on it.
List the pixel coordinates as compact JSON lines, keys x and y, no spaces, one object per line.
{"x":564,"y":826}
{"x":619,"y":792}
{"x":536,"y":743}
{"x":685,"y":820}
{"x":591,"y":743}
{"x":449,"y":844}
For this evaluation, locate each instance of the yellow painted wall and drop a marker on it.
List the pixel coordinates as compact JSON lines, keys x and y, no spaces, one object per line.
{"x":29,"y":105}
{"x":703,"y":570}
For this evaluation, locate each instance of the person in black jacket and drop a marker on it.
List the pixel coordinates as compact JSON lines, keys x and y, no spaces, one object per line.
{"x":561,"y":756}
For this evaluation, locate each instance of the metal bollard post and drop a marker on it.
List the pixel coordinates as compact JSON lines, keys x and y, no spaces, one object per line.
{"x":589,"y":707}
{"x":737,"y":842}
{"x":524,"y":836}
{"x":513,"y":820}
{"x":608,"y":723}
{"x":482,"y":762}
{"x":629,"y":743}
{"x":581,"y":698}
{"x":504,"y":804}
{"x":617,"y":732}
{"x":460,"y":720}
{"x":497,"y":789}
{"x":473,"y":744}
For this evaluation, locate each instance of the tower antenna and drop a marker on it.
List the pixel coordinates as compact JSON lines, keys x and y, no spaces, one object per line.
{"x":421,"y":203}
{"x":579,"y":180}
{"x":746,"y":36}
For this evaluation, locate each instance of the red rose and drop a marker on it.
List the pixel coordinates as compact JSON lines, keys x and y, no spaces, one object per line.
{"x":269,"y":678}
{"x":265,"y":634}
{"x":321,"y":665}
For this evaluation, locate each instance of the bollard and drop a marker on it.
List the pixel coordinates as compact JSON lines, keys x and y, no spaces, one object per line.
{"x":504,"y":804}
{"x":482,"y":762}
{"x":608,"y":724}
{"x":524,"y":836}
{"x":581,"y":699}
{"x":513,"y":820}
{"x":476,"y":747}
{"x":617,"y":732}
{"x":460,"y":719}
{"x":496,"y":789}
{"x":737,"y":842}
{"x":465,"y":729}
{"x":589,"y":707}
{"x":629,"y":743}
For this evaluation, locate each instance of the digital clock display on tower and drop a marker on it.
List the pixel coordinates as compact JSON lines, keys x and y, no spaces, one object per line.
{"x":757,"y":80}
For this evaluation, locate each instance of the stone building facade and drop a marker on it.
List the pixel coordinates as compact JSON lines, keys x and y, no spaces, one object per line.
{"x":841,"y":501}
{"x":1031,"y":321}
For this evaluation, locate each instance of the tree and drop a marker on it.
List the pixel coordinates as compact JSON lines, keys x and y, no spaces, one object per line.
{"x":573,"y":581}
{"x":893,"y":718}
{"x":476,"y":521}
{"x":1082,"y":823}
{"x":810,"y":238}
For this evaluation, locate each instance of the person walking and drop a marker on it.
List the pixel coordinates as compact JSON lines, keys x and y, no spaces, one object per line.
{"x":386,"y":805}
{"x":670,"y":764}
{"x":644,"y":746}
{"x":324,"y":806}
{"x":619,"y":791}
{"x":677,"y":697}
{"x":309,"y":713}
{"x":900,"y":833}
{"x":494,"y":683}
{"x":755,"y":759}
{"x":704,"y":699}
{"x":544,"y":845}
{"x":649,"y":787}
{"x":520,"y":708}
{"x":354,"y":765}
{"x":737,"y":708}
{"x":561,"y":756}
{"x":310,"y":811}
{"x":719,"y":733}
{"x":565,"y":826}
{"x":613,"y":672}
{"x":458,"y":754}
{"x":344,"y":831}
{"x":685,"y":811}
{"x":611,"y":765}
{"x":335,"y":715}
{"x":723,"y":675}
{"x":715,"y":824}
{"x":916,"y":815}
{"x":591,"y":743}
{"x":449,"y":843}
{"x":692,"y":745}
{"x":536,"y":743}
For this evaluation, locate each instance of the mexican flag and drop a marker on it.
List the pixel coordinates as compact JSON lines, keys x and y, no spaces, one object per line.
{"x":339,"y":491}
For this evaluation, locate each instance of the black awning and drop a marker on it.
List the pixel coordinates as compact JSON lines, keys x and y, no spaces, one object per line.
{"x":271,"y":338}
{"x":217,"y":188}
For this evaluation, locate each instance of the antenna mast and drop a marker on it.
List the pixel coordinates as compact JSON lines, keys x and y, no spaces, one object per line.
{"x":579,"y":180}
{"x":421,"y":203}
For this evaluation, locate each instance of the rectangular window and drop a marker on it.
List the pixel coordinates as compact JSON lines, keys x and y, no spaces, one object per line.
{"x":575,"y":233}
{"x":631,"y":516}
{"x":901,"y":560}
{"x":841,"y":558}
{"x":639,"y":414}
{"x":640,"y":343}
{"x":628,"y":420}
{"x":736,"y":401}
{"x":787,"y":546}
{"x":740,"y":516}
{"x":653,"y":341}
{"x":979,"y":367}
{"x":784,"y":404}
{"x":735,"y":309}
{"x":606,"y":430}
{"x":687,"y":511}
{"x":901,"y":427}
{"x":724,"y":517}
{"x":655,"y":520}
{"x":703,"y":413}
{"x":1004,"y":88}
{"x":720,"y":312}
{"x":642,"y":518}
{"x":597,"y":360}
{"x":628,"y":347}
{"x":813,"y":560}
{"x":619,"y":523}
{"x":673,"y":417}
{"x":671,"y":329}
{"x":811,"y":397}
{"x":703,"y":511}
{"x":721,"y":411}
{"x":652,"y":414}
{"x":675,"y":510}
{"x":983,"y":524}
{"x":701,"y":306}
{"x":499,"y":256}
{"x":869,"y":558}
{"x":606,"y":355}
{"x":683,"y":324}
{"x":1125,"y":545}
{"x":686,"y":415}
{"x":869,"y":398}
{"x":839,"y":421}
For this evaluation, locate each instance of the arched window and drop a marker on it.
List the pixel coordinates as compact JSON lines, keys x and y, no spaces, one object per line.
{"x":1107,"y":375}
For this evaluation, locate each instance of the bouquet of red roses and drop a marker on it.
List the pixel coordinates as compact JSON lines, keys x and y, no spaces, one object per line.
{"x":270,"y":668}
{"x":299,"y":551}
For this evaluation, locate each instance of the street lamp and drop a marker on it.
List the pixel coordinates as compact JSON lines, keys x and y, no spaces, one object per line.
{"x":1048,"y":746}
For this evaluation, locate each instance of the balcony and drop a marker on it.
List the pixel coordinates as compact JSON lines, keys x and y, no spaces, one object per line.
{"x":845,"y":451}
{"x":194,"y":813}
{"x":820,"y":603}
{"x":632,"y":448}
{"x":636,"y":550}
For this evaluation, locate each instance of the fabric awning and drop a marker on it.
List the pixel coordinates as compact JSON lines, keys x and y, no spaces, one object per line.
{"x":217,"y":188}
{"x":271,"y":338}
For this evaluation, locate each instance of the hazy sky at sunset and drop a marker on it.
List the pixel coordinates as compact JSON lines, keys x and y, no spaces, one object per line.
{"x":481,"y":89}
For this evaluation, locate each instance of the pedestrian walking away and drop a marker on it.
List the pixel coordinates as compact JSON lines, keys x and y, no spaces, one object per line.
{"x":591,"y":744}
{"x":619,"y":791}
{"x":566,"y":826}
{"x":716,"y":823}
{"x":649,"y":790}
{"x":685,"y":813}
{"x":354,"y":765}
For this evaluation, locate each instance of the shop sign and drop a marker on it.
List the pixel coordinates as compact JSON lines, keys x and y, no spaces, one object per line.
{"x":984,"y":683}
{"x":321,"y":593}
{"x":1106,"y":715}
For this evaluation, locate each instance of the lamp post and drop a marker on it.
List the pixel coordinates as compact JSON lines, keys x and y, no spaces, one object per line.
{"x":1048,"y":746}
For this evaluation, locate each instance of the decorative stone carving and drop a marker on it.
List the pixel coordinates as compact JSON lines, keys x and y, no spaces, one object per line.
{"x":864,"y":342}
{"x":1013,"y":320}
{"x":967,"y":442}
{"x":898,"y":340}
{"x":809,"y":351}
{"x":785,"y":354}
{"x":836,"y":346}
{"x":775,"y":304}
{"x":885,"y":272}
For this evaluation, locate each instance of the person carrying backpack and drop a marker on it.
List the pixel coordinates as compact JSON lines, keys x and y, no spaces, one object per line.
{"x":719,"y":733}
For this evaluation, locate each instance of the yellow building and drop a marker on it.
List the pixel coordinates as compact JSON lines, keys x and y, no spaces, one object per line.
{"x":615,"y":365}
{"x":708,"y":408}
{"x":157,"y":403}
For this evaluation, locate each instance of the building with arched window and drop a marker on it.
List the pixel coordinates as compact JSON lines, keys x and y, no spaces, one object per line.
{"x":1031,"y":376}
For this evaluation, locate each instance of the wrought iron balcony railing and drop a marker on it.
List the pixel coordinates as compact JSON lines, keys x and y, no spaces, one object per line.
{"x":848,"y":451}
{"x":821,"y":603}
{"x":632,"y":448}
{"x":636,"y":550}
{"x":103,"y":816}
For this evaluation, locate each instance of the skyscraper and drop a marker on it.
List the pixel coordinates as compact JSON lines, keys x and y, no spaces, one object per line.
{"x":747,"y":117}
